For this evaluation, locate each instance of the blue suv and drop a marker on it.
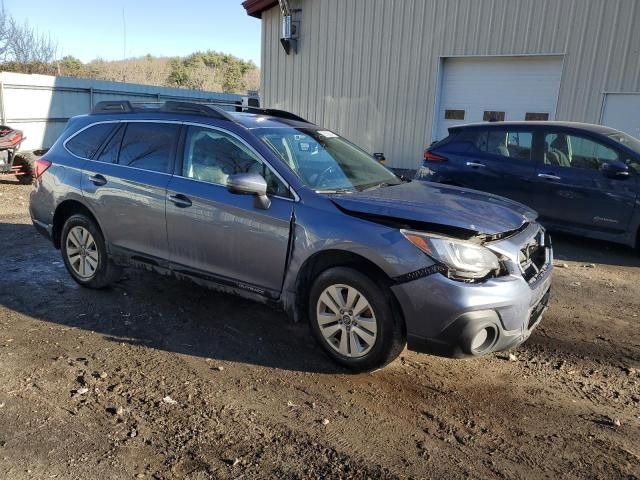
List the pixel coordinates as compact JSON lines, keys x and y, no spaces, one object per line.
{"x":581,"y":179}
{"x":266,"y":205}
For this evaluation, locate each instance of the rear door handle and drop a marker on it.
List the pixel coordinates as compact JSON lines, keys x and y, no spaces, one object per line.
{"x":475,"y":165}
{"x":548,"y":176}
{"x":179,"y":200}
{"x":98,"y":180}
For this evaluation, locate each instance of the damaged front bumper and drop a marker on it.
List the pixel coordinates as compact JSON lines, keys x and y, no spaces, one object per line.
{"x":451,"y":318}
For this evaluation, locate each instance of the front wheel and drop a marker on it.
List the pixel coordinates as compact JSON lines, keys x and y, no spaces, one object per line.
{"x":352,"y":318}
{"x":85,"y":254}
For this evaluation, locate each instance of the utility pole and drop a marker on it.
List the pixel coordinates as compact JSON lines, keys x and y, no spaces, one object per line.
{"x":124,"y":45}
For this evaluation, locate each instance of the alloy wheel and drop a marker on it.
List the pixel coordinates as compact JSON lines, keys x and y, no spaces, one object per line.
{"x":82,"y":252}
{"x":346,"y":320}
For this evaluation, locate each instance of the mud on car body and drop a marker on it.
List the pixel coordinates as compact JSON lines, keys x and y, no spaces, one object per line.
{"x":266,"y":205}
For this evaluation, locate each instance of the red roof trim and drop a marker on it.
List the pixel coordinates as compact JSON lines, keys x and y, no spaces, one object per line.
{"x":255,"y":8}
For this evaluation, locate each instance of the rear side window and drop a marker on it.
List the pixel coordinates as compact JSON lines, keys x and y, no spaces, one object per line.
{"x":86,"y":143}
{"x":109,"y":153}
{"x":515,"y":145}
{"x":149,"y":146}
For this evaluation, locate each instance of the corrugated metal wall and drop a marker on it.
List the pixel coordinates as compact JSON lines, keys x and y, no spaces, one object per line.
{"x":368,"y":69}
{"x":41,"y":105}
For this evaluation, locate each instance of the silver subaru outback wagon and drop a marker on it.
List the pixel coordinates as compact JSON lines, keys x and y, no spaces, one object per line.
{"x":269,"y":206}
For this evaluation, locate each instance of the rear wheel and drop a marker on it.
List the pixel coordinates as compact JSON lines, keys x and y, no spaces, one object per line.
{"x":352,"y":318}
{"x":27,"y":161}
{"x":85,"y":254}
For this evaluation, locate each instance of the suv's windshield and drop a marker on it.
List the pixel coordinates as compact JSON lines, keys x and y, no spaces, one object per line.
{"x":324,"y":161}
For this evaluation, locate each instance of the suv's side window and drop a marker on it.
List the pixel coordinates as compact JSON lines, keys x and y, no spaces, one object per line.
{"x":86,"y":143}
{"x":109,"y":153}
{"x":563,"y":150}
{"x":514,"y":144}
{"x":149,"y":146}
{"x":212,"y":155}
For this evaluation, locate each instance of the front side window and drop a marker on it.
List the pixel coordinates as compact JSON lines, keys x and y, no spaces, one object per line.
{"x":325,"y":161}
{"x":149,"y":146}
{"x":574,"y":151}
{"x":632,"y":143}
{"x":86,"y":143}
{"x":212,"y":155}
{"x":515,"y":145}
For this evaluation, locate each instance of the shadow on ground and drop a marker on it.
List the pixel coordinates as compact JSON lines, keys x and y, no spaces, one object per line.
{"x":579,"y":249}
{"x":146,"y":309}
{"x":8,"y":180}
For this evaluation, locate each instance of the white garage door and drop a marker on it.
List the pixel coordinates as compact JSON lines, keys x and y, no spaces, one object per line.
{"x":622,"y":112}
{"x":502,"y":88}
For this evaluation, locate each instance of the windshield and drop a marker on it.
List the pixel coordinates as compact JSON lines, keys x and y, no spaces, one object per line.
{"x":324,"y":161}
{"x":627,"y":140}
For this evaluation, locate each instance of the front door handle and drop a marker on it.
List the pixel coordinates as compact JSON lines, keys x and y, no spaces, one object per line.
{"x":179,"y":200}
{"x":548,"y":176}
{"x":475,"y":165}
{"x":98,"y":180}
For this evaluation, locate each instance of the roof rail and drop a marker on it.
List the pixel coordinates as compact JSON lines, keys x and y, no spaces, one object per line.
{"x":272,"y":112}
{"x":117,"y":106}
{"x":170,"y":106}
{"x":278,"y":113}
{"x":209,"y":109}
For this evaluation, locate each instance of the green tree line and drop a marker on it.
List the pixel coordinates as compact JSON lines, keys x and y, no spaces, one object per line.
{"x":207,"y":70}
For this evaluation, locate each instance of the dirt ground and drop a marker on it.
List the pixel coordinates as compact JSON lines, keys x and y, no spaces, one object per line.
{"x":157,"y":378}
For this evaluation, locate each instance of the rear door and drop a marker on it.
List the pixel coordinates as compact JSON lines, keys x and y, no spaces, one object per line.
{"x":499,"y":161}
{"x":572,"y":189}
{"x":223,"y":236}
{"x":126,"y":187}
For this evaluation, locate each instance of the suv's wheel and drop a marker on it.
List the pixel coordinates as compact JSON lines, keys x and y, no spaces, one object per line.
{"x":352,"y":318}
{"x":85,"y":255}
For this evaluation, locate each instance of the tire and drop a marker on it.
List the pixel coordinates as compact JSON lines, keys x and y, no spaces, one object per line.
{"x":27,"y":160}
{"x":85,"y":256}
{"x":378,"y":319}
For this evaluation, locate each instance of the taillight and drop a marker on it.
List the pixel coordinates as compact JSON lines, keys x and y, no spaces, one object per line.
{"x":41,"y":166}
{"x":429,"y":156}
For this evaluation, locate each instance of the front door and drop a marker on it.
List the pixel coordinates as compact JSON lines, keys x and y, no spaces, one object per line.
{"x":573,"y":190}
{"x":126,"y":187}
{"x":220,"y":235}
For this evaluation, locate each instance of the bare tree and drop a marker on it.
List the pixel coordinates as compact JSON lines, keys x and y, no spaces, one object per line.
{"x":20,"y":43}
{"x":4,"y":33}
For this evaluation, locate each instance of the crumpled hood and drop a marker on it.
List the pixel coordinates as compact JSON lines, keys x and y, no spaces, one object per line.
{"x":437,"y":204}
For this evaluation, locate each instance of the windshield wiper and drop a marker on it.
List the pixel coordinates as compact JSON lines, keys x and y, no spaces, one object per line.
{"x":379,"y":185}
{"x":336,"y":190}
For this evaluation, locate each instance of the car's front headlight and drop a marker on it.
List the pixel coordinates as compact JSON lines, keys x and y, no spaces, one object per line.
{"x":465,"y":260}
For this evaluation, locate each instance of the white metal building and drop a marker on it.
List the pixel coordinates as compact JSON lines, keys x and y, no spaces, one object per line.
{"x":41,"y":105}
{"x":392,"y":75}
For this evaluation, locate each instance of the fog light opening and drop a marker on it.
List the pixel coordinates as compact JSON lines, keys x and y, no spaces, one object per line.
{"x":483,"y":340}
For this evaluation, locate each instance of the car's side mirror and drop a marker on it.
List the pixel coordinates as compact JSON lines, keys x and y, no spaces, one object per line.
{"x":250,"y":184}
{"x":380,"y":157}
{"x":615,"y":169}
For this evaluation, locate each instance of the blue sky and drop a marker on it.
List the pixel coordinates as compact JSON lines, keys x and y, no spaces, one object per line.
{"x":89,"y":29}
